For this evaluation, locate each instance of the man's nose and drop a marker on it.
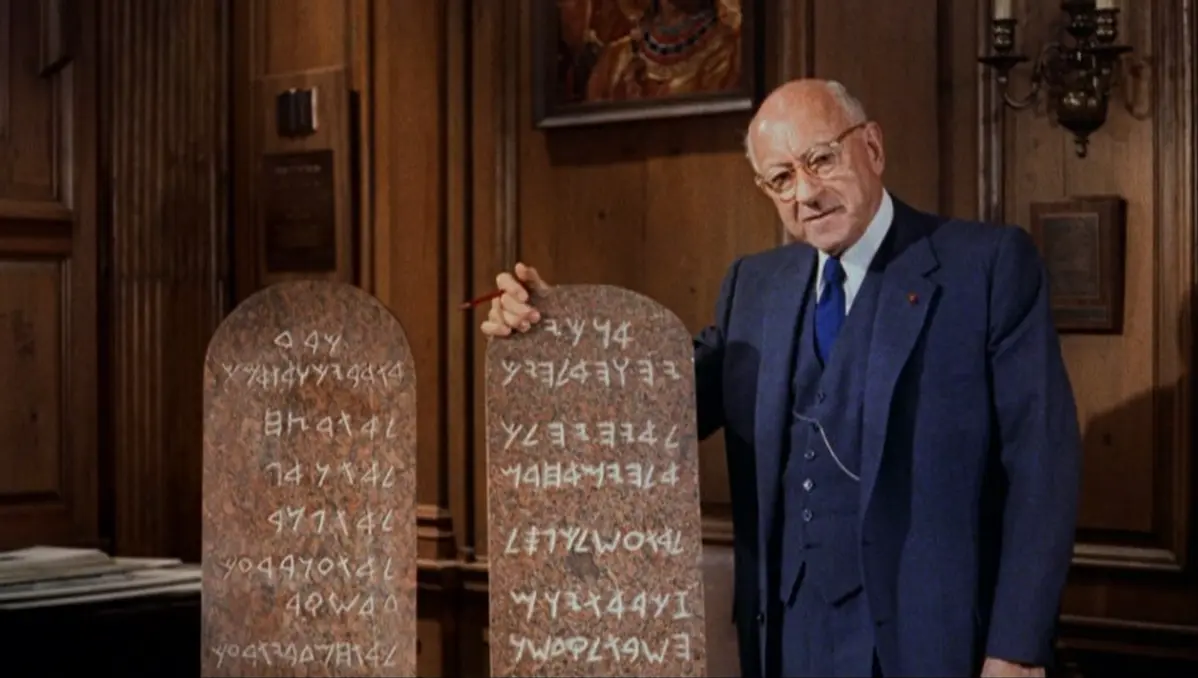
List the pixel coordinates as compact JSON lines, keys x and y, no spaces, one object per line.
{"x":806,"y":187}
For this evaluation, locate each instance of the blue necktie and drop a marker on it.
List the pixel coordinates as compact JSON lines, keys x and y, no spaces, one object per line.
{"x":829,"y":310}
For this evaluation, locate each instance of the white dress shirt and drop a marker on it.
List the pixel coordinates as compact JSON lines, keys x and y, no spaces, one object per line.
{"x":856,"y":260}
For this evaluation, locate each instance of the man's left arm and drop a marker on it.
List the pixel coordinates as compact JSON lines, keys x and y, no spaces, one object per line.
{"x":1041,"y":456}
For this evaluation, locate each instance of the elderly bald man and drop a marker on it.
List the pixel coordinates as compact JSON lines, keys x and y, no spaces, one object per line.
{"x":901,"y":433}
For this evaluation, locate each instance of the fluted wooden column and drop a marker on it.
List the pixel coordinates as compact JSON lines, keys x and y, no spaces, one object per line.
{"x":164,"y":79}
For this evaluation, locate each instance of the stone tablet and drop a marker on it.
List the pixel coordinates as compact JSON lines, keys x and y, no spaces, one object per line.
{"x":593,"y":491}
{"x":309,"y":546}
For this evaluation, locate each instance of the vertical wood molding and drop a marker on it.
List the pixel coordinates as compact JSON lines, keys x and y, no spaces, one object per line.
{"x":165,"y":94}
{"x":78,"y":191}
{"x":461,"y":332}
{"x":360,"y":48}
{"x":1174,"y":216}
{"x":508,"y":226}
{"x":245,"y":50}
{"x":420,"y":248}
{"x":495,"y":192}
{"x":493,"y":219}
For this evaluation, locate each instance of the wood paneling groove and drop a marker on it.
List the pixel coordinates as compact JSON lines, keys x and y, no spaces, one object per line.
{"x":461,"y":333}
{"x":360,"y":47}
{"x":509,"y":134}
{"x":165,"y":71}
{"x":246,"y":63}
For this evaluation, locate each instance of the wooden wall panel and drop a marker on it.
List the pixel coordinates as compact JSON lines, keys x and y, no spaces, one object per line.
{"x":904,"y":102}
{"x":32,"y":360}
{"x":421,"y":173}
{"x":48,"y":296}
{"x":165,"y":178}
{"x":1132,"y":589}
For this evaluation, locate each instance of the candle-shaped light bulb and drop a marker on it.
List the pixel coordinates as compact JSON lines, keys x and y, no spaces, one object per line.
{"x":1002,"y":9}
{"x":1105,"y":4}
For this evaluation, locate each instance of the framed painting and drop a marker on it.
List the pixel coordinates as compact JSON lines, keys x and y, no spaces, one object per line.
{"x":603,"y":61}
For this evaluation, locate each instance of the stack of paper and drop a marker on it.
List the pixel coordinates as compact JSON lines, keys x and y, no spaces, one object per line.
{"x":46,"y":576}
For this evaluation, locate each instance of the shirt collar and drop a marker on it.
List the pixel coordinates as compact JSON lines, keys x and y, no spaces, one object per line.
{"x":857,"y":258}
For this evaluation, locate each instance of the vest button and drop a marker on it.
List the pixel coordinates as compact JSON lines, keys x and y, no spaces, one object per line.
{"x":819,"y":397}
{"x":807,"y":484}
{"x":761,"y":618}
{"x":809,"y":454}
{"x":807,"y":515}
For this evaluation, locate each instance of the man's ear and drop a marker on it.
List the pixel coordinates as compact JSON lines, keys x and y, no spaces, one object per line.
{"x":877,"y":151}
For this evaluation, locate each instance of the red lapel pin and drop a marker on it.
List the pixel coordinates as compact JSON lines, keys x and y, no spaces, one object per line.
{"x":912,"y":298}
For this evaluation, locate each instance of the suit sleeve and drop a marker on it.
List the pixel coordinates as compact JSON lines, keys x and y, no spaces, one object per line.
{"x":1040,"y":454}
{"x":709,"y":360}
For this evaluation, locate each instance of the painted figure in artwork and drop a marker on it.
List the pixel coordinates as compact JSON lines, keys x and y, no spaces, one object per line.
{"x":621,"y":50}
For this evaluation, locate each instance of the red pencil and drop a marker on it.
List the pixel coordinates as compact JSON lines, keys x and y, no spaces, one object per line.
{"x":466,"y":306}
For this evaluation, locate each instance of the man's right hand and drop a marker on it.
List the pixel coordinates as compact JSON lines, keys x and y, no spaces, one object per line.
{"x":513,"y":310}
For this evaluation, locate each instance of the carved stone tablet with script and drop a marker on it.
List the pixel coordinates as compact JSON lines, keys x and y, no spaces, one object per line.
{"x":593,"y":491}
{"x":309,"y":554}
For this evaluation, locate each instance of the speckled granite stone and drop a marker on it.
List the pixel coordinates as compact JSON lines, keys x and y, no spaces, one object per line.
{"x":309,"y":535}
{"x":593,"y":492}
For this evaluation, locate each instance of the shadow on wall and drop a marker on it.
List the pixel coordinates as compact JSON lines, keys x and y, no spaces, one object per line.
{"x":1130,"y":426}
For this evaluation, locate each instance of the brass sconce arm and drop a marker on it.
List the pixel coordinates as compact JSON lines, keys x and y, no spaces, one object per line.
{"x":1043,"y":68}
{"x":1077,"y":76}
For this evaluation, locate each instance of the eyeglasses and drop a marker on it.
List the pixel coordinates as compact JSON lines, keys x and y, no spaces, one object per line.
{"x":819,"y":162}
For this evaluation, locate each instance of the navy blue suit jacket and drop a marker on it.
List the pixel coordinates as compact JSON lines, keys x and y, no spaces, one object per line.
{"x":970,"y":449}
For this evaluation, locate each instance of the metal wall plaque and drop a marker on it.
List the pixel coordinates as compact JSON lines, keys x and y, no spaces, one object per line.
{"x":299,"y":212}
{"x":1083,"y":243}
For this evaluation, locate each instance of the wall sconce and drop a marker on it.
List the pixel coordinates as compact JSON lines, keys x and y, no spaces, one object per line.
{"x":1077,"y":77}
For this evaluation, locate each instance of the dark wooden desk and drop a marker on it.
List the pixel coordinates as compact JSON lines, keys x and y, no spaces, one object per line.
{"x":155,"y":636}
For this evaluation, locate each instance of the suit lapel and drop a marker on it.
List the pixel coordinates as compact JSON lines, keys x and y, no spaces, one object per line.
{"x":903,"y":306}
{"x":780,"y":324}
